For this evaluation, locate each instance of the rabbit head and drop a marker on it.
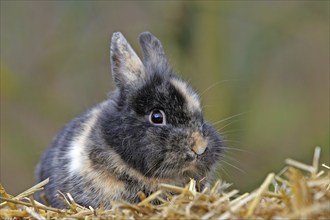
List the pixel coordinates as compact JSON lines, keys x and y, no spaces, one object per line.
{"x":156,"y":125}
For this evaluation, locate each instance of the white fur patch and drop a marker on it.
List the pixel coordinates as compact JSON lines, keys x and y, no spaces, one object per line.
{"x":190,"y":96}
{"x":77,"y":152}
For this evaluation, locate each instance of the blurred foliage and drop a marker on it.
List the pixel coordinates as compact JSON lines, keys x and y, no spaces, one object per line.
{"x":264,"y":63}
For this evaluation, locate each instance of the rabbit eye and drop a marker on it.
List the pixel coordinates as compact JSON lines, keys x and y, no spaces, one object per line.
{"x":157,"y":117}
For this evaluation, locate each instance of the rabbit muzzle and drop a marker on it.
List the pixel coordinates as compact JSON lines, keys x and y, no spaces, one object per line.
{"x":199,"y":143}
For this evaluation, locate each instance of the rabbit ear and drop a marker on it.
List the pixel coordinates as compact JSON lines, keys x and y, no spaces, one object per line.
{"x":127,"y":68}
{"x":154,"y":55}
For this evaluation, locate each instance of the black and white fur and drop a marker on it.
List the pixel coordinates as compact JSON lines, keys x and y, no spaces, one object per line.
{"x":114,"y":150}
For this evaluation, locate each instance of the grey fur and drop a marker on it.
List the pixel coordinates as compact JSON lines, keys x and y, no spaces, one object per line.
{"x":113,"y":151}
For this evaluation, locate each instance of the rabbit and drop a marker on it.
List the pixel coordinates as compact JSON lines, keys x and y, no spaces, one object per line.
{"x":150,"y":131}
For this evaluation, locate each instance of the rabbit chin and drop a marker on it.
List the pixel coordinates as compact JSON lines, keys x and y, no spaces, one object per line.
{"x":188,"y":171}
{"x":181,"y":174}
{"x":192,"y":172}
{"x":190,"y":168}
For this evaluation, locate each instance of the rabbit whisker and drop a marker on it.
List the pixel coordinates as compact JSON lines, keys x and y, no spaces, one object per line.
{"x":231,"y":165}
{"x":228,"y":118}
{"x":217,"y":83}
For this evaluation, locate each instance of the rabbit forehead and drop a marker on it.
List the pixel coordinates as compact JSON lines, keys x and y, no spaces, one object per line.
{"x":189,"y":95}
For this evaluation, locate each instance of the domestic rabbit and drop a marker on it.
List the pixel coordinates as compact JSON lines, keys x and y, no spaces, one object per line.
{"x":150,"y":131}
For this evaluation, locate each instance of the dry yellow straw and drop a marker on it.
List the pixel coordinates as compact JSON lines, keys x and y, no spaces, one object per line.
{"x":259,"y":192}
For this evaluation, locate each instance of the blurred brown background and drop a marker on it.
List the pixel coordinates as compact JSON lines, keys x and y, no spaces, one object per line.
{"x":266,"y":62}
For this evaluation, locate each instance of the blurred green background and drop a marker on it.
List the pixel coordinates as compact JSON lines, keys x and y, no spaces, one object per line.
{"x":265,"y":62}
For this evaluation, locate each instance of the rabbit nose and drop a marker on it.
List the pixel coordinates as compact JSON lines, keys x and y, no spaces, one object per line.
{"x":199,"y":144}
